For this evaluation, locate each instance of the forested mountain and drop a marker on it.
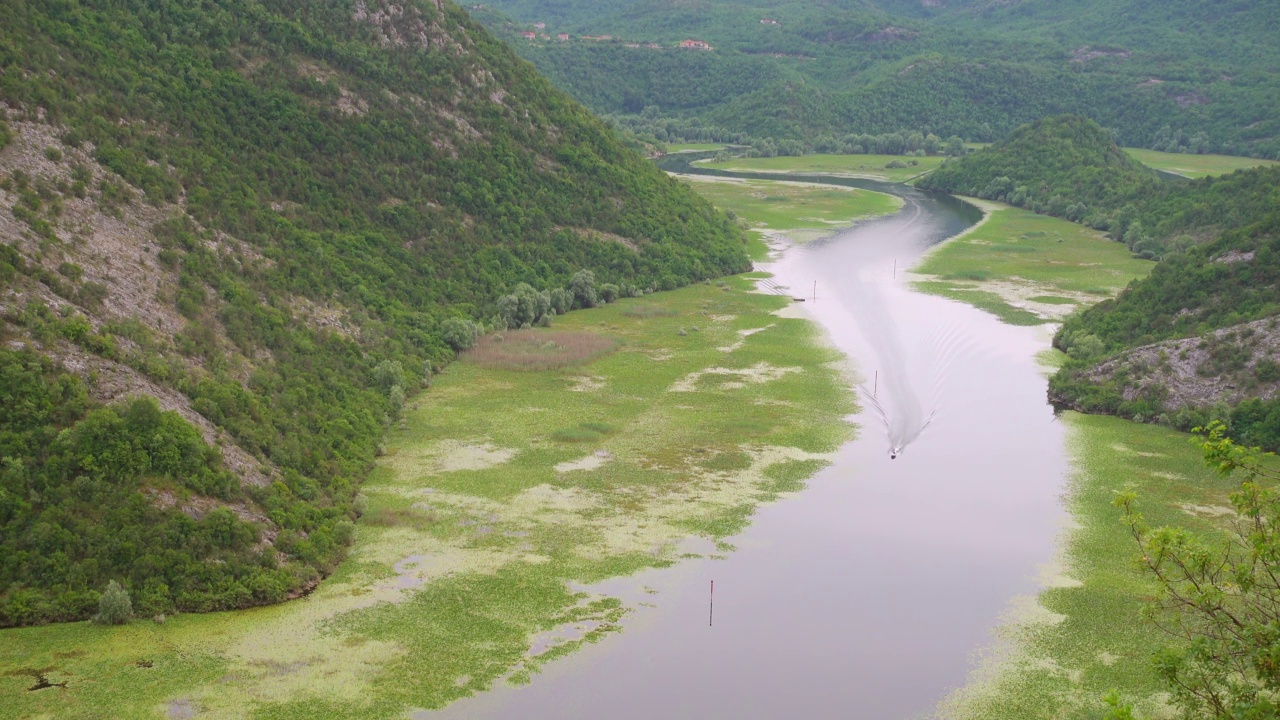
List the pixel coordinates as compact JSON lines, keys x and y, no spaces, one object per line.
{"x":1197,"y":339}
{"x":1182,"y":75}
{"x":1065,"y":165}
{"x":1069,"y":167}
{"x":234,"y":235}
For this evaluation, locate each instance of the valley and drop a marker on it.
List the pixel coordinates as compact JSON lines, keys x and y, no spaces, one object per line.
{"x":639,"y":359}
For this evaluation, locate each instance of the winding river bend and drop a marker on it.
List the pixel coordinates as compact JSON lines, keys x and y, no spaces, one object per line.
{"x":868,"y":594}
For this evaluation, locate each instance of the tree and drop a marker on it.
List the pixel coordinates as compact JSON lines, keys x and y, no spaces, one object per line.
{"x":1220,"y":595}
{"x":955,"y":146}
{"x":583,"y":288}
{"x":561,"y":300}
{"x":114,"y":606}
{"x":388,"y":374}
{"x":460,"y":333}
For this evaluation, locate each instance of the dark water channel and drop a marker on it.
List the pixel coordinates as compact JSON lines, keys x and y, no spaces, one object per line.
{"x":869,"y":594}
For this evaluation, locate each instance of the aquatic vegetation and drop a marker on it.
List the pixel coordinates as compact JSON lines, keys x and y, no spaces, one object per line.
{"x":1028,"y":269}
{"x":478,"y":517}
{"x":783,"y":205}
{"x":1084,"y":635}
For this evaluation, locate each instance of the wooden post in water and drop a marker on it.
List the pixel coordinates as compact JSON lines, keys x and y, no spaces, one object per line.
{"x":875,"y":389}
{"x":815,"y":291}
{"x":895,"y":268}
{"x":711,"y":613}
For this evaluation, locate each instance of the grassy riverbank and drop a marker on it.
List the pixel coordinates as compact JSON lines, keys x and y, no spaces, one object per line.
{"x":498,"y":488}
{"x":801,"y":210}
{"x":867,"y":166}
{"x":1084,"y":636}
{"x":1028,"y":269}
{"x":1195,"y":166}
{"x":695,"y":147}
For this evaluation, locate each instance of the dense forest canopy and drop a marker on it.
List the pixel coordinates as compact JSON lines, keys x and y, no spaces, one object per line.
{"x":1183,"y":76}
{"x":276,"y":217}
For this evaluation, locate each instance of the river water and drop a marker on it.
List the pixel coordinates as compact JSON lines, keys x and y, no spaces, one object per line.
{"x":869,"y":594}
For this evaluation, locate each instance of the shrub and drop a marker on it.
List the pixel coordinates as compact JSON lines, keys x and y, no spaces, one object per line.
{"x":460,"y":333}
{"x":114,"y":606}
{"x":561,"y":300}
{"x":388,"y":374}
{"x":583,"y":288}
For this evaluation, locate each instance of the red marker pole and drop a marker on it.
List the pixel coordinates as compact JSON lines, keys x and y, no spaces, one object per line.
{"x":711,"y":613}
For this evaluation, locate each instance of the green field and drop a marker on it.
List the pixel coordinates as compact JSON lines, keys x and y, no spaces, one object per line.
{"x":1028,"y":268}
{"x":695,"y":147}
{"x":802,"y":211}
{"x":496,"y":488}
{"x":1195,"y":166}
{"x":868,"y":166}
{"x":1084,"y":636}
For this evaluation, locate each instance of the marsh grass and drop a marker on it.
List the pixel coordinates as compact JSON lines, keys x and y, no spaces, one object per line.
{"x":869,"y":166}
{"x":1016,"y":244}
{"x":983,"y":300}
{"x":974,"y":275}
{"x":399,"y":517}
{"x":644,"y":310}
{"x":584,"y":432}
{"x":424,"y":612}
{"x":782,"y":206}
{"x":1195,"y":166}
{"x":1062,"y":669}
{"x":533,"y":350}
{"x":1017,"y":256}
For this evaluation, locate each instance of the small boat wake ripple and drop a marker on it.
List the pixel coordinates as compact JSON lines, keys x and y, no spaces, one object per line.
{"x":897,"y":394}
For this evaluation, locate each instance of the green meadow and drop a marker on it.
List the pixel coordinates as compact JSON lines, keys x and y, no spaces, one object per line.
{"x":498,"y":487}
{"x":695,"y":147}
{"x":1195,"y":166}
{"x":783,"y":206}
{"x":1029,"y":269}
{"x":1083,"y":636}
{"x":868,"y":166}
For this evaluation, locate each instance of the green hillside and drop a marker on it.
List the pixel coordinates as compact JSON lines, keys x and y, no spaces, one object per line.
{"x":1051,"y":166}
{"x":1183,"y":75}
{"x":1068,"y":166}
{"x":273,"y":218}
{"x":1192,"y":342}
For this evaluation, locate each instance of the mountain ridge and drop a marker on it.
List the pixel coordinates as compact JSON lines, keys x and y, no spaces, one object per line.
{"x":275,"y":220}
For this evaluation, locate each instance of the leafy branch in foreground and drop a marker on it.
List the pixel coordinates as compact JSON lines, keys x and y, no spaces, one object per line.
{"x":1220,"y":594}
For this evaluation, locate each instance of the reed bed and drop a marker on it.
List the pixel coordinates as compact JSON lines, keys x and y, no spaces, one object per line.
{"x":538,"y":349}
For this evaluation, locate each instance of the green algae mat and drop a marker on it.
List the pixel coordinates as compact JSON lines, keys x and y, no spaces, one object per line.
{"x":499,"y":492}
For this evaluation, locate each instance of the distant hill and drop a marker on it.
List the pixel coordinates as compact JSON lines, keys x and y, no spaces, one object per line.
{"x":1183,"y":75}
{"x":1069,"y":167}
{"x":235,"y":236}
{"x":1065,"y":165}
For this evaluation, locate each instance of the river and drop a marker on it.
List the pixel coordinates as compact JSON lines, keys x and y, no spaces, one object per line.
{"x":869,"y":594}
